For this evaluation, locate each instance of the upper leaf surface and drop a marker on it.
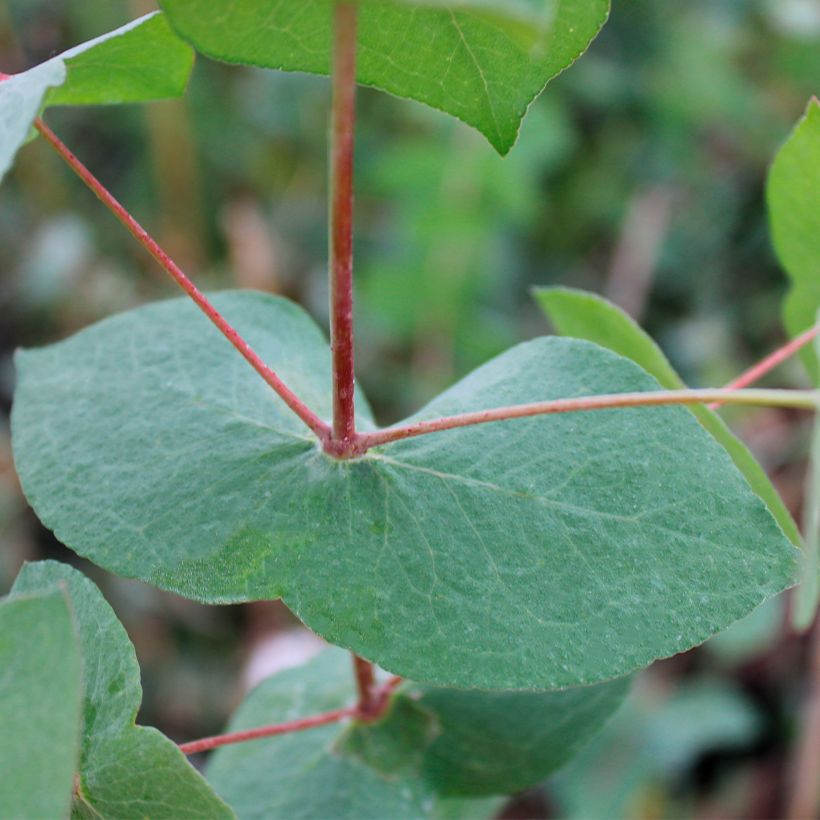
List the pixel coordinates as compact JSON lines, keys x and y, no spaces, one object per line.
{"x":143,"y":60}
{"x":40,"y":700}
{"x":431,"y":741}
{"x":793,"y":194}
{"x":539,"y":553}
{"x":125,"y":770}
{"x":483,"y":61}
{"x":584,"y":315}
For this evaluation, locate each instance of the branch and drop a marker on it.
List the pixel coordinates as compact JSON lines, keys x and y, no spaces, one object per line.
{"x":771,"y":361}
{"x":341,"y":229}
{"x":801,"y":399}
{"x":365,"y":684}
{"x":380,"y":701}
{"x":319,"y":427}
{"x":208,"y":743}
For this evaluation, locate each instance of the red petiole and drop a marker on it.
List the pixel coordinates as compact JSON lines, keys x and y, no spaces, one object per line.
{"x":376,"y":709}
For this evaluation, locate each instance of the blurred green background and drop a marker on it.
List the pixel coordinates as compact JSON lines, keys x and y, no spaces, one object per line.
{"x":639,"y":174}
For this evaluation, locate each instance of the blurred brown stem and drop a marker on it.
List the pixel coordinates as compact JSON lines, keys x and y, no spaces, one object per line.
{"x":803,"y":800}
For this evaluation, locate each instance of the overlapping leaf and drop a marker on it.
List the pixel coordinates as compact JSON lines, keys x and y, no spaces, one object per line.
{"x":483,"y":61}
{"x":794,"y":212}
{"x":40,"y":700}
{"x":125,"y":771}
{"x":540,"y":553}
{"x":587,"y":316}
{"x":143,"y":60}
{"x":431,"y":742}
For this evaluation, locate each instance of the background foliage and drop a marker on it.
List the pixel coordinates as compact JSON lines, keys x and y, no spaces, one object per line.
{"x":640,"y":174}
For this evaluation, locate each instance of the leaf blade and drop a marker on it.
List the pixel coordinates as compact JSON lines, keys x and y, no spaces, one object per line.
{"x":140,"y":61}
{"x":432,"y":555}
{"x":125,"y":771}
{"x":40,"y":698}
{"x":793,"y":197}
{"x":584,"y":315}
{"x":482,"y":62}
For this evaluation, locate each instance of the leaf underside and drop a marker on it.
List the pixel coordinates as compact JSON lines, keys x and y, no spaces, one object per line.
{"x":40,"y":699}
{"x":125,"y":771}
{"x":431,"y":742}
{"x":141,"y":61}
{"x":793,"y":195}
{"x":482,"y":62}
{"x":540,"y":553}
{"x":587,"y":316}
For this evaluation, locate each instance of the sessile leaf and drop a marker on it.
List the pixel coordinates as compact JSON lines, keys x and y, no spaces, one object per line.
{"x":534,"y":554}
{"x":432,"y":742}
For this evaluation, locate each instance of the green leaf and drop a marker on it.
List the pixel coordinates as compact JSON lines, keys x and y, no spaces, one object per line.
{"x":584,"y":315}
{"x":793,"y":194}
{"x":482,"y":62}
{"x":125,"y":770}
{"x":40,"y":699}
{"x":447,"y":742}
{"x":807,"y":596}
{"x":503,"y":742}
{"x":540,"y":553}
{"x":308,"y":774}
{"x":143,"y":60}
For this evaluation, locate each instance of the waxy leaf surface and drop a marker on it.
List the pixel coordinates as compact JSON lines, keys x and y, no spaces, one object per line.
{"x":430,"y":742}
{"x":539,"y":553}
{"x":40,"y":700}
{"x":793,"y":194}
{"x":482,"y":61}
{"x":587,"y":316}
{"x":125,"y":771}
{"x":143,"y":60}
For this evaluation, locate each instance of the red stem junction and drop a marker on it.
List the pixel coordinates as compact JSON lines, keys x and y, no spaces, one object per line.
{"x":771,"y":361}
{"x":343,"y":127}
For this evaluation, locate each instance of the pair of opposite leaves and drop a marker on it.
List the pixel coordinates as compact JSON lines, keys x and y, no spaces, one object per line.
{"x":540,"y":553}
{"x":70,"y":691}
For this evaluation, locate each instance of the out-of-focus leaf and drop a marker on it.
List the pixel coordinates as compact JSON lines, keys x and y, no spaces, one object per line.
{"x":143,"y":60}
{"x":40,"y":706}
{"x":793,"y":195}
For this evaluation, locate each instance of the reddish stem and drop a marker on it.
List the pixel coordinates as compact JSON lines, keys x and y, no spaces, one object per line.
{"x":771,"y":361}
{"x":341,"y":230}
{"x":319,"y":427}
{"x":366,"y":684}
{"x":786,"y":398}
{"x":380,"y":697}
{"x":208,"y":743}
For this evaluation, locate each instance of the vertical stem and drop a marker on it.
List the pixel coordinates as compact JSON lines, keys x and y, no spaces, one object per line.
{"x":366,"y":684}
{"x":341,"y":230}
{"x":804,"y":798}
